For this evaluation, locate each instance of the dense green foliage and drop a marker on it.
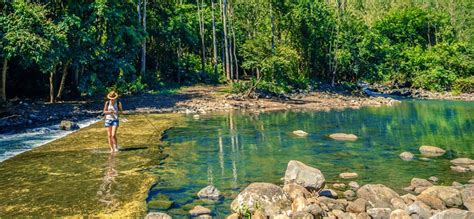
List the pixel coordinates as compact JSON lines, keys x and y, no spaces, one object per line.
{"x":89,"y":46}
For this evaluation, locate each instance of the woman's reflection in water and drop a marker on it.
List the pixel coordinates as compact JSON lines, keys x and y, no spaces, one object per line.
{"x":106,"y":194}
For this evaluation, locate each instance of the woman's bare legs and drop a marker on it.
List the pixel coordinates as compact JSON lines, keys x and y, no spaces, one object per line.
{"x":114,"y":137}
{"x":110,"y":138}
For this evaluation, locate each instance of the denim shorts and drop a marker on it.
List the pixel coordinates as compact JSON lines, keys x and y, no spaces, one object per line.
{"x":111,"y":122}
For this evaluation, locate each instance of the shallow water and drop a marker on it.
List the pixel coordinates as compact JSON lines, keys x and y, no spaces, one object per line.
{"x":14,"y":144}
{"x":234,"y":149}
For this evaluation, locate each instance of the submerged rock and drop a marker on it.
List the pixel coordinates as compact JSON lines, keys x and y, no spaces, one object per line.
{"x":343,"y":137}
{"x":377,"y":195}
{"x":269,"y":197}
{"x":407,"y":156}
{"x":304,"y":175}
{"x":68,"y":125}
{"x":157,"y":215}
{"x":454,"y":213}
{"x":460,"y":169}
{"x":199,"y":210}
{"x":464,"y":162}
{"x":300,"y":133}
{"x":449,"y":195}
{"x":431,"y":151}
{"x":209,"y":192}
{"x":348,"y":175}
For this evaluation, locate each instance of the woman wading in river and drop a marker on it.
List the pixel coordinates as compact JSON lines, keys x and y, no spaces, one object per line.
{"x":112,"y":108}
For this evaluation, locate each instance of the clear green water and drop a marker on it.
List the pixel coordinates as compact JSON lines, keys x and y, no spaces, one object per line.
{"x":234,"y":149}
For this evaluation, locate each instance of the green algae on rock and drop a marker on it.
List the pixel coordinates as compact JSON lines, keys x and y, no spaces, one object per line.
{"x":77,"y":176}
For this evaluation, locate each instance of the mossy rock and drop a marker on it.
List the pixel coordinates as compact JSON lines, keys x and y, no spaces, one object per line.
{"x":160,"y":202}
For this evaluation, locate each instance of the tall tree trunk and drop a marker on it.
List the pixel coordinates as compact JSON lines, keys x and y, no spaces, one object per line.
{"x":201,"y":33}
{"x":235,"y":57}
{"x":214,"y":40}
{"x":51,"y":86}
{"x":63,"y":80}
{"x":226,"y":43}
{"x":234,"y":46}
{"x":273,"y":27}
{"x":143,"y":58}
{"x":4,"y":79}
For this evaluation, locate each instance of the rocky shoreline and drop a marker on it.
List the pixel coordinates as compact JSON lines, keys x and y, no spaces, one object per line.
{"x":405,"y":92}
{"x":21,"y":115}
{"x":305,"y":195}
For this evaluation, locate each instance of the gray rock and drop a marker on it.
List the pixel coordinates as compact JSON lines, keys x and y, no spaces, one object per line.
{"x":419,"y":210}
{"x":314,"y":209}
{"x":304,"y":175}
{"x":431,"y":151}
{"x":209,"y":192}
{"x":407,"y":156}
{"x":433,"y":179}
{"x":377,"y":195}
{"x":157,"y":215}
{"x":265,"y":196}
{"x":302,"y":215}
{"x":449,"y":195}
{"x":357,"y":206}
{"x":457,"y":185}
{"x":68,"y":125}
{"x":379,"y":213}
{"x":199,"y":210}
{"x":467,"y":195}
{"x":399,"y":214}
{"x":454,"y":213}
{"x":332,"y":204}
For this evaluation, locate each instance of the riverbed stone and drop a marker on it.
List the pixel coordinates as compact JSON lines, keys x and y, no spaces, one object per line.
{"x":454,"y":213}
{"x":266,"y":196}
{"x":449,"y":195}
{"x":339,"y":186}
{"x":354,"y":185}
{"x":407,"y":156}
{"x":294,"y":190}
{"x":348,"y":175}
{"x":433,"y":179}
{"x":409,"y":198}
{"x":431,"y":151}
{"x":463,"y":161}
{"x":460,"y":169}
{"x":199,"y":210}
{"x":332,"y":204}
{"x":363,"y":215}
{"x":68,"y":125}
{"x":467,"y":195}
{"x":377,"y":195}
{"x":418,"y":185}
{"x":300,"y":133}
{"x":343,"y":137}
{"x":302,"y":215}
{"x":432,"y":201}
{"x":399,"y":214}
{"x":314,"y":209}
{"x":157,"y":215}
{"x":309,"y":177}
{"x":357,"y":206}
{"x":419,"y":210}
{"x":398,"y":203}
{"x":349,"y":195}
{"x":209,"y":192}
{"x":379,"y":213}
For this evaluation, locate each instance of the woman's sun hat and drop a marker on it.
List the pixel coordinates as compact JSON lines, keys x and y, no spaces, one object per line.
{"x":112,"y":95}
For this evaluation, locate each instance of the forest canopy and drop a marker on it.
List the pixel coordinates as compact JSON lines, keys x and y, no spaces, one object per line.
{"x":67,"y":49}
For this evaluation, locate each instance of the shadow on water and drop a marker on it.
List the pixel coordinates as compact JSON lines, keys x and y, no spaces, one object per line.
{"x":234,"y":149}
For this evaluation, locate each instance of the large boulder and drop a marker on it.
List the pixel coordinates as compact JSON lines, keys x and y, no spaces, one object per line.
{"x":209,"y":192}
{"x":377,"y":195}
{"x":467,"y":195}
{"x":68,"y":125}
{"x":419,"y":210}
{"x":343,"y":137}
{"x":431,"y":151}
{"x":269,"y":197}
{"x":449,"y":195}
{"x":453,"y":213}
{"x":304,"y":175}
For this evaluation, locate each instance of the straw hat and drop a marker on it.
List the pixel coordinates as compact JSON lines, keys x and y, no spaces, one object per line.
{"x":112,"y":95}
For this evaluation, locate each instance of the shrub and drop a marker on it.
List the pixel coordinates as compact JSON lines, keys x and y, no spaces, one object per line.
{"x":464,"y":85}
